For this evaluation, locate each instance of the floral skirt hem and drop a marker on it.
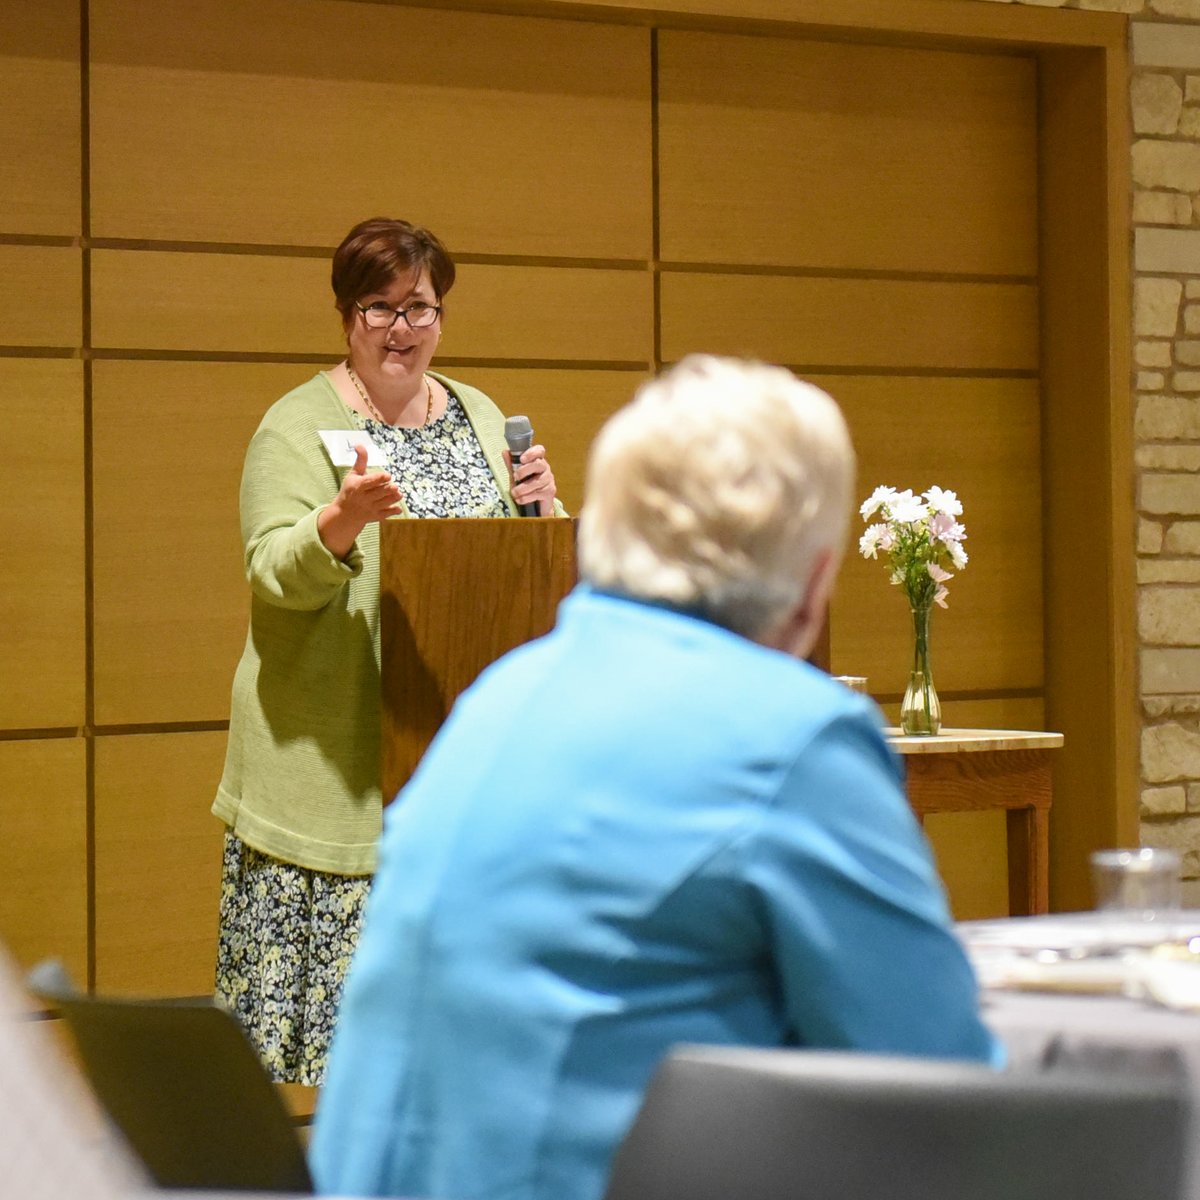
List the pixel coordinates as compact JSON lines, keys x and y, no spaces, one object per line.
{"x":286,"y":938}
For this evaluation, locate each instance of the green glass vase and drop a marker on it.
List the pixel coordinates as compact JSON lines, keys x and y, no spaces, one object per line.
{"x":920,"y":710}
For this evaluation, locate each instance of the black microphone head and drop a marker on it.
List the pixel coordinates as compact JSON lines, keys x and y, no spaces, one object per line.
{"x":518,"y":433}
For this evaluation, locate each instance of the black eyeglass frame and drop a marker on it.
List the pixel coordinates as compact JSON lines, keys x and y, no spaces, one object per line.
{"x":397,"y":313}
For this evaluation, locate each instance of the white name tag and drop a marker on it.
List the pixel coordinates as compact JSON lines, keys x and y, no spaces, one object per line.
{"x":342,"y":443}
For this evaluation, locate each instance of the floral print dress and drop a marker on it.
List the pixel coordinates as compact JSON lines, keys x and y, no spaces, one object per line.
{"x":287,"y":933}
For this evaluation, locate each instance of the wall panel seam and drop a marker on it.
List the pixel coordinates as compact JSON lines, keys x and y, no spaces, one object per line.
{"x":276,"y":250}
{"x":117,"y":729}
{"x":655,"y":206}
{"x":1018,"y":693}
{"x":864,"y":273}
{"x":38,"y":239}
{"x":913,"y":371}
{"x":89,"y":572}
{"x":132,"y":354}
{"x":43,"y":733}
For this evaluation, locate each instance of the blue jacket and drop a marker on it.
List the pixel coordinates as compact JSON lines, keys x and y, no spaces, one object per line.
{"x":639,"y":830}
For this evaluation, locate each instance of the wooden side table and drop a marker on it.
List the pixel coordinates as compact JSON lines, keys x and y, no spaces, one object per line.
{"x":982,"y":770}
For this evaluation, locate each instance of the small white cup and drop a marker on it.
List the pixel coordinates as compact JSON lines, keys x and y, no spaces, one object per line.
{"x":1142,"y":885}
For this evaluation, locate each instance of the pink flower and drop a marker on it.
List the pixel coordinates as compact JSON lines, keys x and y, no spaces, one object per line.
{"x":940,"y":523}
{"x":946,"y":529}
{"x":877,"y":537}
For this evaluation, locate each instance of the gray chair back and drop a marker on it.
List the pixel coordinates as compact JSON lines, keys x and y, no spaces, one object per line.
{"x":183,"y":1084}
{"x":718,"y":1123}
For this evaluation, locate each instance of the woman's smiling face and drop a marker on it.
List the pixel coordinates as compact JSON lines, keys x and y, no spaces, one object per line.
{"x":393,"y":361}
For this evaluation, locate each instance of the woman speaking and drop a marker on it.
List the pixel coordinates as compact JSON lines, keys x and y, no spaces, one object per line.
{"x":300,"y":790}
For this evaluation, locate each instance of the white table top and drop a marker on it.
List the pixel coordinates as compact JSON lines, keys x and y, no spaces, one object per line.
{"x":958,"y":741}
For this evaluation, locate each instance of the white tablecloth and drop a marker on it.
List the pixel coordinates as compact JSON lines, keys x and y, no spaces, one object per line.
{"x":1106,"y":1032}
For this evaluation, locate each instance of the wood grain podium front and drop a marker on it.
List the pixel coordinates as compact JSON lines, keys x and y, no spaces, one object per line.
{"x":981,"y":770}
{"x":454,"y":595}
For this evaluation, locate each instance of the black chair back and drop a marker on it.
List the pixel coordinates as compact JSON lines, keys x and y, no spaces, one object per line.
{"x":753,"y":1124}
{"x":184,"y":1085}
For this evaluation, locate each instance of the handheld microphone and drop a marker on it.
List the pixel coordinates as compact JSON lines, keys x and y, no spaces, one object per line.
{"x":518,"y":433}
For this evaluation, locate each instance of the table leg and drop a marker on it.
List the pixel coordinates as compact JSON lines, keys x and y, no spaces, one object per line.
{"x":1028,"y":861}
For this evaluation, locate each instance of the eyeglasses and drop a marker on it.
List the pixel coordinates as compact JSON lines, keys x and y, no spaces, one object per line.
{"x":382,"y":316}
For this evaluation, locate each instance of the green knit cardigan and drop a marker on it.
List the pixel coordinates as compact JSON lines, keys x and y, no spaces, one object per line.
{"x":301,"y":778}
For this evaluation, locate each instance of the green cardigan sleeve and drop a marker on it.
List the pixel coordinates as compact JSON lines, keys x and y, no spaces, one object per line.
{"x":286,"y":482}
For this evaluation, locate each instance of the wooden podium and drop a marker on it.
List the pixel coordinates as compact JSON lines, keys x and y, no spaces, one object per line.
{"x":454,"y":595}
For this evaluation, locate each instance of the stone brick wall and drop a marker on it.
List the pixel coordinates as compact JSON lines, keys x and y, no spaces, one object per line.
{"x":1165,"y":403}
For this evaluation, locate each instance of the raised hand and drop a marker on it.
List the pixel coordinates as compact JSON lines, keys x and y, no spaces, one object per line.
{"x":361,"y":499}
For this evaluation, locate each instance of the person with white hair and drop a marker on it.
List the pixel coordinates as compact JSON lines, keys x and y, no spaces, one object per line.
{"x":655,"y":825}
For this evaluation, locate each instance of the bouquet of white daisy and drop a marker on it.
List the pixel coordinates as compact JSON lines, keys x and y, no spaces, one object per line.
{"x":922,"y":538}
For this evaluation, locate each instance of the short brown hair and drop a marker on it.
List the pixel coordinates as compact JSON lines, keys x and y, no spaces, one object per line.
{"x":380,"y":250}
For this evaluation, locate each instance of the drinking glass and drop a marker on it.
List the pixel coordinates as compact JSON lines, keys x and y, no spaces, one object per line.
{"x":1139,"y":885}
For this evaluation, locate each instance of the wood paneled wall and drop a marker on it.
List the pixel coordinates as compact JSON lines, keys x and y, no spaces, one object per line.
{"x":172,"y":182}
